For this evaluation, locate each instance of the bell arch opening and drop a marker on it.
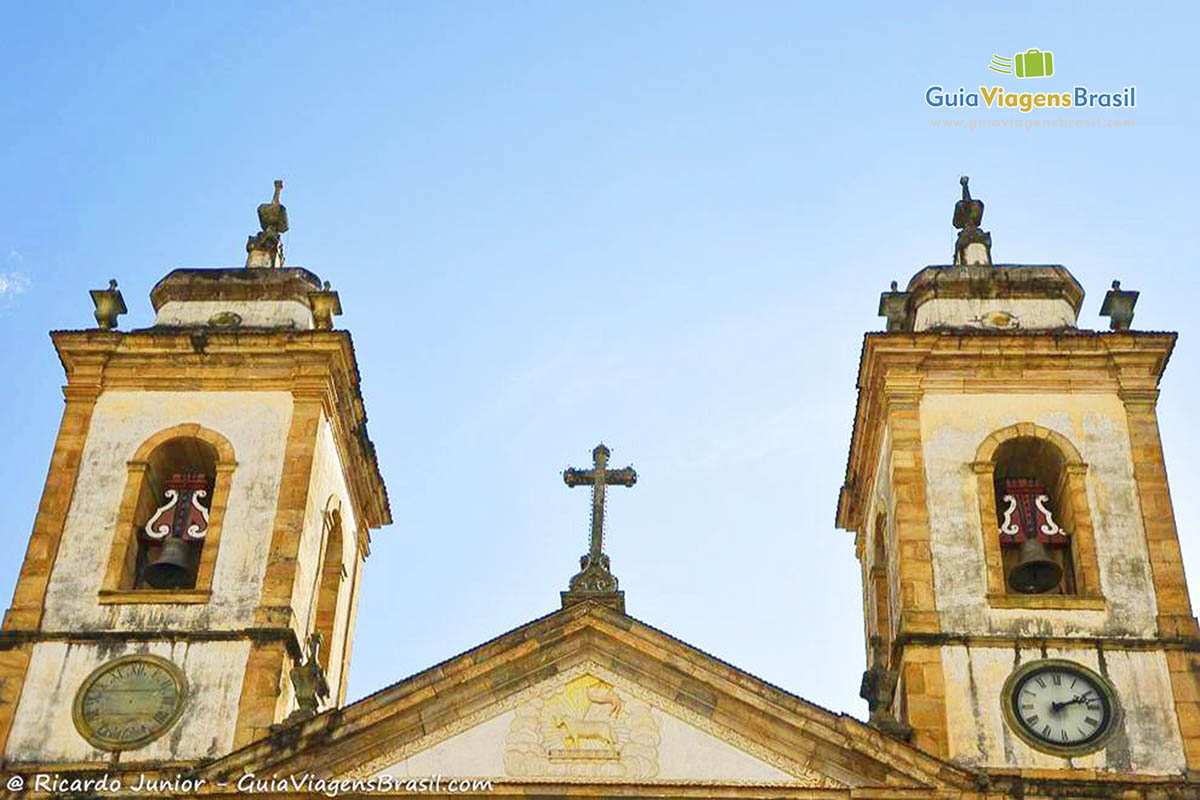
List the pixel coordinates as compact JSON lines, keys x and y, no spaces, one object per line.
{"x":1032,"y":493}
{"x":169,"y":523}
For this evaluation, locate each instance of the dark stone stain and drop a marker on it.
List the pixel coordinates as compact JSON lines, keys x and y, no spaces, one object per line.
{"x":698,"y":698}
{"x":1010,"y":755}
{"x":544,"y":673}
{"x":1128,"y":572}
{"x":109,"y":648}
{"x":623,"y":622}
{"x":980,"y":739}
{"x":1116,"y":752}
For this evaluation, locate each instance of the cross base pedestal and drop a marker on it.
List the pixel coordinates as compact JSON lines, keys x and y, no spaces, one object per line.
{"x":614,"y":600}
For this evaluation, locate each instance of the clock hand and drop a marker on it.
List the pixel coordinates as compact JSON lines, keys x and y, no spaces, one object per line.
{"x":1057,"y":706}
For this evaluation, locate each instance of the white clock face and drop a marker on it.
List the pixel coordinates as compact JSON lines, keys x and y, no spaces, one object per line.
{"x":1061,"y":705}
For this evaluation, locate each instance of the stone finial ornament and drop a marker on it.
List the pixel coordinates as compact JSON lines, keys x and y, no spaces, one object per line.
{"x":878,"y":688}
{"x":308,"y":681}
{"x":265,"y":248}
{"x":895,"y":306}
{"x":109,"y":305}
{"x":973,"y":246}
{"x":1118,"y":307}
{"x":325,"y":306}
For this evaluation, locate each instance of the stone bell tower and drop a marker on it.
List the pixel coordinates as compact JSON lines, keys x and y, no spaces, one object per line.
{"x":1023,"y":591}
{"x":192,"y":577}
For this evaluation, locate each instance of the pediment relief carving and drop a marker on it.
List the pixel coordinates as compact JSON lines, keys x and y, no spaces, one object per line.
{"x":590,"y":725}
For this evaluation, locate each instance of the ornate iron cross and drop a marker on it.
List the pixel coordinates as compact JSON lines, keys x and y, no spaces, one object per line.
{"x":595,"y":576}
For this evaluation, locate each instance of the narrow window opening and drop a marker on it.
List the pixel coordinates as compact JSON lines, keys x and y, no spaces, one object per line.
{"x":880,"y":584}
{"x":330,"y":575}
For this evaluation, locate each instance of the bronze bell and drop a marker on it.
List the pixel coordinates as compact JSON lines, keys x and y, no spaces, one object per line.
{"x":175,"y":566}
{"x":1036,"y":572}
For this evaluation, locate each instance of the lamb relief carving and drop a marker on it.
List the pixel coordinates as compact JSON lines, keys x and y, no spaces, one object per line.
{"x":574,"y":730}
{"x":585,"y":728}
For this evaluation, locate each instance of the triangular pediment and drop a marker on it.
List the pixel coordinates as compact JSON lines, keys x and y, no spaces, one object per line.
{"x":588,"y":695}
{"x":590,"y":723}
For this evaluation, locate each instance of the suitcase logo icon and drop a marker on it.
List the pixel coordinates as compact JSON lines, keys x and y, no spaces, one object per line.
{"x":1033,"y":63}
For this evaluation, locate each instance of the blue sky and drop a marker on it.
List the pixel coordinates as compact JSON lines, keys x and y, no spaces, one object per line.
{"x":664,"y":225}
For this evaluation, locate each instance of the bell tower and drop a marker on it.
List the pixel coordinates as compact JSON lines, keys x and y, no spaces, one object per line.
{"x":1024,"y":597}
{"x":192,"y":577}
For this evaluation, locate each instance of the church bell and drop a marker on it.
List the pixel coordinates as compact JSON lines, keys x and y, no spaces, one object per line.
{"x":1036,"y":572}
{"x":174,"y":568}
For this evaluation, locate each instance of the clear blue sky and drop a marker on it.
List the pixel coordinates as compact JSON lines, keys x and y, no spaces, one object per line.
{"x":664,"y":225}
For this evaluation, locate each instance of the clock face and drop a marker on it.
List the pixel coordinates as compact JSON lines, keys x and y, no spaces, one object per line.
{"x":129,"y":702}
{"x":1060,"y":707}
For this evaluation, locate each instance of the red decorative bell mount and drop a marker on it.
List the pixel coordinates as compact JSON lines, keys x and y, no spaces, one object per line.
{"x":178,"y":525}
{"x":1029,"y":523}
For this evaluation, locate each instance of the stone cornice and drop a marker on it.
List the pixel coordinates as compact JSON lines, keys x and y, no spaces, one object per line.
{"x":1004,"y":281}
{"x":900,"y":367}
{"x":236,"y":284}
{"x":318,"y":365}
{"x":16,"y":637}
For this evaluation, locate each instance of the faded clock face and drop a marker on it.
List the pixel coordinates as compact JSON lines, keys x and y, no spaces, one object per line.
{"x":1061,"y":707}
{"x":129,"y":702}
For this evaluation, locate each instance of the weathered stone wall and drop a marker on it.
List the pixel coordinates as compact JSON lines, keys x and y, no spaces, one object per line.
{"x":1148,"y":742}
{"x":250,"y":313}
{"x":1095,"y":423}
{"x":43,"y":730}
{"x":327,"y":490}
{"x":881,"y":503}
{"x":1002,"y":313}
{"x":121,"y":422}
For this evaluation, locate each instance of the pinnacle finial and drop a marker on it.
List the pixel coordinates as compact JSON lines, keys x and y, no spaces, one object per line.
{"x":968,"y":216}
{"x":1118,"y":307}
{"x":109,"y":305}
{"x":265,"y":248}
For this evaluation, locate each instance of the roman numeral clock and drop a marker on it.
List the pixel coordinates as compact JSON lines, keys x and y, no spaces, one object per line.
{"x":1060,"y":707}
{"x":129,"y":702}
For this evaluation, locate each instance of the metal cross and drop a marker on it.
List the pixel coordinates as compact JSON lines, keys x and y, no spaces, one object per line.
{"x":599,"y":476}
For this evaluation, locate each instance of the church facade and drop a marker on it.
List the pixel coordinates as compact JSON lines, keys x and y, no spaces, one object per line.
{"x":183,"y":620}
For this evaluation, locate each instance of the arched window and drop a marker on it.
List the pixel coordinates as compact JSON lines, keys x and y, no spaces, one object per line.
{"x":331,"y":572}
{"x":1034,"y":515}
{"x":880,"y":586}
{"x":169,"y":524}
